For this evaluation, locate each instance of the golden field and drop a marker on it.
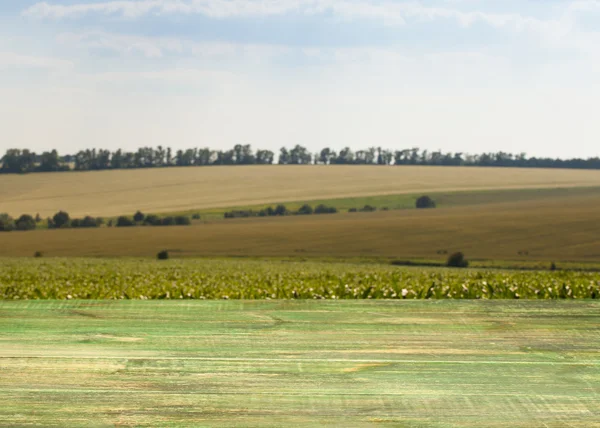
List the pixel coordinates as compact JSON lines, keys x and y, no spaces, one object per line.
{"x":111,"y":193}
{"x":563,"y":228}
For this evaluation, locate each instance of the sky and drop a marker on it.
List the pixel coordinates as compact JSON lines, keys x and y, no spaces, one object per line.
{"x":453,"y":75}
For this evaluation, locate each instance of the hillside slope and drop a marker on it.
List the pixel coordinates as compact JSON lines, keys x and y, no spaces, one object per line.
{"x":110,"y":193}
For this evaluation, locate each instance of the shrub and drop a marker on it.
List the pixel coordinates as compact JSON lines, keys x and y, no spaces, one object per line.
{"x":88,"y":221}
{"x":425,"y":202}
{"x":124,"y":221}
{"x":61,"y":219}
{"x":99,"y":221}
{"x":196,"y":216}
{"x":280,"y":210}
{"x":368,"y":209}
{"x":168,"y":221}
{"x":182,"y":220}
{"x":138,"y":217}
{"x":152,"y":220}
{"x":75,"y":223}
{"x":7,"y":224}
{"x":385,"y":209}
{"x":352,"y":210}
{"x":38,"y":218}
{"x":552,"y":266}
{"x":110,"y":223}
{"x":457,"y":260}
{"x":305,"y":210}
{"x":38,"y":254}
{"x":324,"y":209}
{"x":25,"y":222}
{"x":162,"y":255}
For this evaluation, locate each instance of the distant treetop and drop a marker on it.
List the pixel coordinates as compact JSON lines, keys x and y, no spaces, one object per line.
{"x":17,"y":161}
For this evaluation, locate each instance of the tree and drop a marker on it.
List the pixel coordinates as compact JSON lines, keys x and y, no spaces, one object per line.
{"x":61,"y":219}
{"x":425,"y":202}
{"x":324,"y":209}
{"x":25,"y":222}
{"x":152,"y":220}
{"x":7,"y":224}
{"x":280,"y":210}
{"x":138,"y":217}
{"x":457,"y":260}
{"x":124,"y":221}
{"x":305,"y":210}
{"x":182,"y":220}
{"x":284,"y":156}
{"x":163,"y":255}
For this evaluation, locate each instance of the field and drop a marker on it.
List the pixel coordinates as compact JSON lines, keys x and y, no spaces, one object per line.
{"x":561,"y":226}
{"x":254,"y":279}
{"x":300,"y":363}
{"x":111,"y":193}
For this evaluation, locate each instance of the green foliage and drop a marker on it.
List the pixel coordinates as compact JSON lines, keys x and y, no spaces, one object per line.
{"x":162,"y":255}
{"x":196,"y":216}
{"x":168,"y":221}
{"x":138,"y":217}
{"x":60,"y":220}
{"x":324,"y":209}
{"x":7,"y":224}
{"x":368,"y":209}
{"x":280,"y":210}
{"x":305,"y":210}
{"x":457,"y":260}
{"x":425,"y":202}
{"x":25,"y":222}
{"x":124,"y":221}
{"x":152,"y":220}
{"x":182,"y":220}
{"x":38,"y":254}
{"x":214,"y":279}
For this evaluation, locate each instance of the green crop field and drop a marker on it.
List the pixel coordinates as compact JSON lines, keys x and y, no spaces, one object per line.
{"x":300,"y":363}
{"x":248,"y":279}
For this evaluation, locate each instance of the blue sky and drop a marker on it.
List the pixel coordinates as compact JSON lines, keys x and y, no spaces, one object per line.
{"x":455,"y":75}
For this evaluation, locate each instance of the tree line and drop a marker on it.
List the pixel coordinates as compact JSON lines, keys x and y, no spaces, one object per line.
{"x":25,"y":161}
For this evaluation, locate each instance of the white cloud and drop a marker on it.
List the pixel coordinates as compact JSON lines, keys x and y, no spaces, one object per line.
{"x":157,"y":47}
{"x":15,"y":60}
{"x":389,"y":12}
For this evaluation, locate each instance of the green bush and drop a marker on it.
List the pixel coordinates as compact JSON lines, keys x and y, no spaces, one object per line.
{"x":457,"y":260}
{"x":425,"y":202}
{"x":7,"y":224}
{"x":196,"y":216}
{"x":163,"y":255}
{"x":25,"y":222}
{"x":61,"y":219}
{"x":124,"y":221}
{"x":168,"y":221}
{"x":152,"y":220}
{"x":280,"y":210}
{"x":324,"y":209}
{"x":38,"y":254}
{"x":182,"y":220}
{"x":305,"y":210}
{"x":138,"y":217}
{"x":368,"y":209}
{"x":352,"y":210}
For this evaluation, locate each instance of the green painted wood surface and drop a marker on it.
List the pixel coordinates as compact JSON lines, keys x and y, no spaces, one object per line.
{"x":300,"y":363}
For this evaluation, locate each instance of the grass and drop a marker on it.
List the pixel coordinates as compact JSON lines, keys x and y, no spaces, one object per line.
{"x":300,"y":363}
{"x":113,"y":193}
{"x":407,"y":201}
{"x":560,"y":228}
